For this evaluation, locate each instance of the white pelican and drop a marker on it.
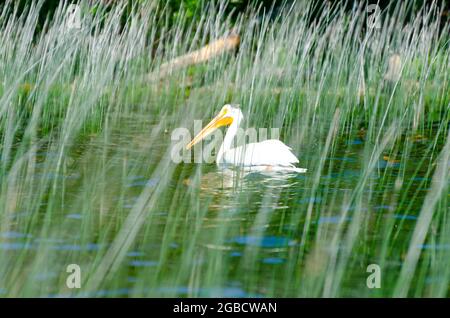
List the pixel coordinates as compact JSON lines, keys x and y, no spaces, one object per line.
{"x":268,"y":155}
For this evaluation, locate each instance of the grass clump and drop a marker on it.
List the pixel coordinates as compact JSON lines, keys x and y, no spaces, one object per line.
{"x":87,"y":178}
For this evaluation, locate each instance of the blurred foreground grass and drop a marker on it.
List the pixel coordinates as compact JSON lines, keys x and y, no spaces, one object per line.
{"x":86,"y":175}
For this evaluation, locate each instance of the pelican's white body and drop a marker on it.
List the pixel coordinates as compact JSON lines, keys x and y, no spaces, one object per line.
{"x":268,"y":155}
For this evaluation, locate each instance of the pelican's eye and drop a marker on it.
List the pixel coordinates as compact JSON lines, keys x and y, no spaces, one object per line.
{"x":224,"y":111}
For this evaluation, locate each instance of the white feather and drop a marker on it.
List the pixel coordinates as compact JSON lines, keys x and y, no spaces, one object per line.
{"x":266,"y":153}
{"x":269,"y":155}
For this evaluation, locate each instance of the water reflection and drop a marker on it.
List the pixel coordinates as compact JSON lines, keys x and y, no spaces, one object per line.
{"x":222,"y":179}
{"x":263,"y":241}
{"x":234,"y":216}
{"x":180,"y":291}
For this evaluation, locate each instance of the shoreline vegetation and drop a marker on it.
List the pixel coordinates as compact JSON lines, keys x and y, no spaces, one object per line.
{"x":86,"y":116}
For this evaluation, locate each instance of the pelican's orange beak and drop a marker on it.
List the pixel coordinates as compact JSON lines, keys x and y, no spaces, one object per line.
{"x":220,"y":120}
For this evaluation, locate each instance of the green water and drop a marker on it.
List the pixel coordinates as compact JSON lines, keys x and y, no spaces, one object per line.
{"x":86,"y":176}
{"x":212,"y":231}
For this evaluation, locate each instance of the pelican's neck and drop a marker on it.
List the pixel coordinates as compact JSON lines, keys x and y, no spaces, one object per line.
{"x":228,"y":140}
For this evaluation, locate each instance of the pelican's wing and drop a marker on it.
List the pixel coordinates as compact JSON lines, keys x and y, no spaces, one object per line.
{"x":269,"y":152}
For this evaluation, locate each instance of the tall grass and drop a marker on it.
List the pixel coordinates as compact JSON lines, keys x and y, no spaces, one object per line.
{"x":87,"y":177}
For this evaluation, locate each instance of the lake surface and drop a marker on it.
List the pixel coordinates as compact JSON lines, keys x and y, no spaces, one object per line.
{"x":149,"y":228}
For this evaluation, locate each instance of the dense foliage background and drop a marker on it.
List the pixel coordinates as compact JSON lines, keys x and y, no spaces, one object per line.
{"x":87,"y":175}
{"x":234,"y":7}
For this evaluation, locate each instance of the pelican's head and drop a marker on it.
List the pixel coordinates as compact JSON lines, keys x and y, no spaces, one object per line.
{"x":227,"y":115}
